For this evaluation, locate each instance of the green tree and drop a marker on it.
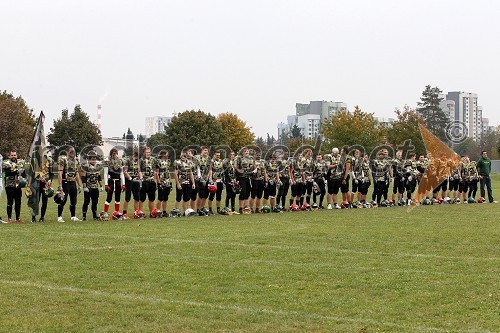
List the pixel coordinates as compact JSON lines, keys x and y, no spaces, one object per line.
{"x":434,"y":118}
{"x":295,"y":132}
{"x":193,"y":128}
{"x":491,"y":143}
{"x":235,"y":131}
{"x":468,"y":147}
{"x":404,"y":128}
{"x":17,"y":125}
{"x":75,"y":129}
{"x":353,"y":129}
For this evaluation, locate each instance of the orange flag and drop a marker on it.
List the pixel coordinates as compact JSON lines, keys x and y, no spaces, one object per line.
{"x":443,"y":160}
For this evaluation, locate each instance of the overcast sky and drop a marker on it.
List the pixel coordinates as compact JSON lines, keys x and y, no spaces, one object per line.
{"x":253,"y":58}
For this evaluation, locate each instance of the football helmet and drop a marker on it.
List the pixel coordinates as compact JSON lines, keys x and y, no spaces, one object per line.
{"x":481,"y":200}
{"x":117,"y":215}
{"x":49,"y":191}
{"x":294,"y":208}
{"x":139,"y":214}
{"x":212,"y":188}
{"x":266,"y":209}
{"x":59,"y":197}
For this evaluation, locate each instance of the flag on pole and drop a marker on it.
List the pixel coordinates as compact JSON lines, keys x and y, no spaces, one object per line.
{"x":442,"y":156}
{"x":37,"y":161}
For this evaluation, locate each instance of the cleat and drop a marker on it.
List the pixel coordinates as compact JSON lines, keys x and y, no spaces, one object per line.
{"x":33,"y":219}
{"x":75,"y":219}
{"x":125,"y":216}
{"x":9,"y":221}
{"x":19,"y":221}
{"x":336,"y":206}
{"x":42,"y":219}
{"x":329,"y":206}
{"x":60,"y":219}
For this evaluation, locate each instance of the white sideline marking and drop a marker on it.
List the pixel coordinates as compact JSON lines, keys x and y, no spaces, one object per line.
{"x":268,"y":246}
{"x":222,"y":306}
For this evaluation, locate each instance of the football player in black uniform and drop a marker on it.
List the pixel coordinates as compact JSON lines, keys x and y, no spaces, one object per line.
{"x":216,"y":178}
{"x":308,"y":165}
{"x":46,"y":177}
{"x":399,"y":179}
{"x":184,"y":181}
{"x":114,"y":180}
{"x":162,"y":177}
{"x":284,"y":183}
{"x":146,"y":174}
{"x":245,"y":167}
{"x":13,"y":170}
{"x":92,"y":184}
{"x":297,"y":179}
{"x":258,"y":181}
{"x":230,"y":180}
{"x":346,"y":163}
{"x":273,"y":178}
{"x":335,"y":177}
{"x":70,"y":183}
{"x":132,"y":183}
{"x":202,"y":167}
{"x":319,"y":174}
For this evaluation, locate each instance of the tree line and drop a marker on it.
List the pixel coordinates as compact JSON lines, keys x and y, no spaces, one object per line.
{"x":356,"y":128}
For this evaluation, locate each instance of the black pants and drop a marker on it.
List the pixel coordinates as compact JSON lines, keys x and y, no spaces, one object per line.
{"x":410,"y":186}
{"x":270,"y":190}
{"x":382,"y":188}
{"x":132,"y":188}
{"x":283,"y":191}
{"x":14,"y":195}
{"x":487,"y":181}
{"x":45,"y":199}
{"x":70,"y":190}
{"x":473,"y":188}
{"x":322,"y":191}
{"x":116,"y":188}
{"x":183,"y":193}
{"x":148,"y":190}
{"x":92,"y":194}
{"x":257,"y":189}
{"x":297,"y":190}
{"x":202,"y":188}
{"x":230,"y":196}
{"x":163,"y":192}
{"x":218,"y":194}
{"x":399,"y":185}
{"x":246,"y":187}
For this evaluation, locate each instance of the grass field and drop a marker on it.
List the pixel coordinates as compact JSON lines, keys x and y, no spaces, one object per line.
{"x":435,"y":269}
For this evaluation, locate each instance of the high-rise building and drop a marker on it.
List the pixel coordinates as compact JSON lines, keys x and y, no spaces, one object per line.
{"x":448,"y":107}
{"x":156,"y":124}
{"x":468,"y":112}
{"x":309,"y":125}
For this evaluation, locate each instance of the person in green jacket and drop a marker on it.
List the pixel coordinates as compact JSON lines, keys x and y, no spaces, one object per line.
{"x":484,"y":169}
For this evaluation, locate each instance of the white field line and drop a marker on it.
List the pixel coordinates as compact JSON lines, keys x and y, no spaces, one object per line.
{"x":266,"y":246}
{"x":226,"y":307}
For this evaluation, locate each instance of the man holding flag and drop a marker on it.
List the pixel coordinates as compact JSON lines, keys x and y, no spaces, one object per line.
{"x":39,"y":175}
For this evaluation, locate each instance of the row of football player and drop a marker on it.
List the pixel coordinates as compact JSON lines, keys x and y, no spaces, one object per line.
{"x":252,"y":178}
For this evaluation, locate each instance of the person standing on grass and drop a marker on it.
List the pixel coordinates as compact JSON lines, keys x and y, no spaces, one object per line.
{"x":69,"y":183}
{"x":162,"y":177}
{"x":92,"y":185}
{"x":13,"y":172}
{"x":484,"y":169}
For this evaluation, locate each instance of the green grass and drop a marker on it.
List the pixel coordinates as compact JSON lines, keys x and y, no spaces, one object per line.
{"x":435,"y":269}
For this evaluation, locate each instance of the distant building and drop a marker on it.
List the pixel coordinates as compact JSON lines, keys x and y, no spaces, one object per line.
{"x":448,"y":107}
{"x":119,"y":143}
{"x":468,"y":112}
{"x":309,"y":125}
{"x":309,"y":117}
{"x":387,"y":122}
{"x":486,"y":126}
{"x":156,"y":125}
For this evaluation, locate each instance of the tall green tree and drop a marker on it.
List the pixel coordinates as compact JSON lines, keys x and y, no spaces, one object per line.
{"x":17,"y":125}
{"x":468,"y":147}
{"x":235,"y":131}
{"x":405,"y":128}
{"x":353,"y":129}
{"x":491,"y":143}
{"x":295,"y":132}
{"x":434,"y":118}
{"x":75,"y":129}
{"x":193,"y":128}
